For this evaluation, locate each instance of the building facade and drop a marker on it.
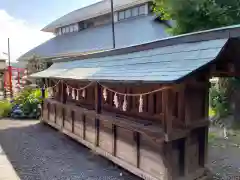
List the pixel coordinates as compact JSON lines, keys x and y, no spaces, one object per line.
{"x":89,"y":29}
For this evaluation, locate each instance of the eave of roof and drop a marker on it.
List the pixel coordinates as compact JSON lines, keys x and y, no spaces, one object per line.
{"x":91,"y":11}
{"x":131,"y":64}
{"x":164,"y":64}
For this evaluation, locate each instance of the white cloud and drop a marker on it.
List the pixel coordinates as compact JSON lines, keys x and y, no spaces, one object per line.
{"x":23,"y":37}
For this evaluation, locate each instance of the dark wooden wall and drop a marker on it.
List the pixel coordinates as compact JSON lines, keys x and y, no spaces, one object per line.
{"x":171,"y":132}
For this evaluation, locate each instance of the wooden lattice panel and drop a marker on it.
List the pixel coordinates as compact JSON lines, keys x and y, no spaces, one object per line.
{"x":59,"y":114}
{"x":45,"y":111}
{"x":151,"y":158}
{"x":68,"y":120}
{"x":106,"y":136}
{"x":79,"y":124}
{"x":126,"y":146}
{"x":90,"y":129}
{"x":52,"y":112}
{"x":193,"y":156}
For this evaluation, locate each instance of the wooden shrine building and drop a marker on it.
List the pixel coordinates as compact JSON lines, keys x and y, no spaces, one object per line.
{"x":144,"y":107}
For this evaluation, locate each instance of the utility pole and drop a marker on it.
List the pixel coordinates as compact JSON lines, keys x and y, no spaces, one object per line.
{"x":9,"y":69}
{"x":113,"y":27}
{"x":9,"y":61}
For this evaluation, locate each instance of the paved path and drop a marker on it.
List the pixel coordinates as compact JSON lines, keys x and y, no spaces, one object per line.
{"x":38,"y":152}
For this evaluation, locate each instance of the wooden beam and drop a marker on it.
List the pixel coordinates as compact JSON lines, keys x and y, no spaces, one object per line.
{"x":63,"y":116}
{"x":187,"y":118}
{"x":137,"y":140}
{"x":169,"y":160}
{"x":55,"y":113}
{"x":168,"y":111}
{"x":64,"y":93}
{"x":186,"y":153}
{"x":206,"y":145}
{"x":98,"y":98}
{"x":84,"y":127}
{"x":98,"y":109}
{"x":114,"y":139}
{"x":73,"y":119}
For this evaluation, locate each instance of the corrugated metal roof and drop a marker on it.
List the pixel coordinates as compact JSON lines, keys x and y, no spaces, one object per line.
{"x":88,"y":12}
{"x":129,"y":32}
{"x":164,"y":64}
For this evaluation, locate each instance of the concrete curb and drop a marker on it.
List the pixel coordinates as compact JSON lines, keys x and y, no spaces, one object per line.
{"x":6,"y":170}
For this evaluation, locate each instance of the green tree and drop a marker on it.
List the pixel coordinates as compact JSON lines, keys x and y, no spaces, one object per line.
{"x":195,"y":15}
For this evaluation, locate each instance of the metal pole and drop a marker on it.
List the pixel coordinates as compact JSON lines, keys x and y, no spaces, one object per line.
{"x":113,"y":27}
{"x":10,"y":69}
{"x":9,"y":61}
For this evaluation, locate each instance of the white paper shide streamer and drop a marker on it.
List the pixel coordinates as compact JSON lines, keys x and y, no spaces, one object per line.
{"x":141,"y":104}
{"x":105,"y":94}
{"x":68,"y":91}
{"x":124,"y":107}
{"x":50,"y":92}
{"x":115,"y":100}
{"x":73,"y":93}
{"x":77,"y":97}
{"x":84,"y":93}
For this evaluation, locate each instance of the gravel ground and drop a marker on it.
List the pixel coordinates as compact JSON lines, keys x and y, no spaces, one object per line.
{"x":38,"y":152}
{"x":224,"y":157}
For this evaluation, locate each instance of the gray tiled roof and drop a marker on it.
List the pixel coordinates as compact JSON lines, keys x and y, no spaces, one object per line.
{"x":162,"y":64}
{"x":91,"y":11}
{"x":129,"y":32}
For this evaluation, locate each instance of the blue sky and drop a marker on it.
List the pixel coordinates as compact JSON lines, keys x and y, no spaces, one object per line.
{"x":21,"y":21}
{"x":41,"y":12}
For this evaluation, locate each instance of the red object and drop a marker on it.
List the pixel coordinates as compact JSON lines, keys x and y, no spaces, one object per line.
{"x":8,"y":77}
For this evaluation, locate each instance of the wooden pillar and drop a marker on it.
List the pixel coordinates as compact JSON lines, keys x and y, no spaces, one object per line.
{"x":73,"y":120}
{"x":168,"y":111}
{"x":186,"y":153}
{"x":137,"y":145}
{"x":169,"y":160}
{"x":206,"y":145}
{"x":114,"y":139}
{"x":64,"y":93}
{"x":98,"y":109}
{"x":187,"y":118}
{"x":43,"y":97}
{"x":206,"y":128}
{"x":181,"y":104}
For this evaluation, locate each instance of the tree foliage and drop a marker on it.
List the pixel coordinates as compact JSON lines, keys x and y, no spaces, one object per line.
{"x":195,"y":15}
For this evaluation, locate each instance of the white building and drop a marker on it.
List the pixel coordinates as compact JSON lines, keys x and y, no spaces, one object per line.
{"x":89,"y":29}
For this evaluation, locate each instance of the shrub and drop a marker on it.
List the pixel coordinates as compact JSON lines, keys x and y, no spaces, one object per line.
{"x":5,"y":108}
{"x":219,"y":102}
{"x":220,"y":98}
{"x":26,"y":104}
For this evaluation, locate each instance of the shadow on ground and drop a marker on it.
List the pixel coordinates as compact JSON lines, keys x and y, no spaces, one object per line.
{"x":38,"y":152}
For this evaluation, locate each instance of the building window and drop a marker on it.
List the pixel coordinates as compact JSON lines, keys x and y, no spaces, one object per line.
{"x":131,"y":12}
{"x":59,"y":31}
{"x":121,"y":15}
{"x":75,"y":27}
{"x":89,"y":24}
{"x":128,"y":13}
{"x":135,"y":11}
{"x":71,"y":28}
{"x":142,"y":10}
{"x":63,"y":30}
{"x":81,"y":26}
{"x":67,"y":29}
